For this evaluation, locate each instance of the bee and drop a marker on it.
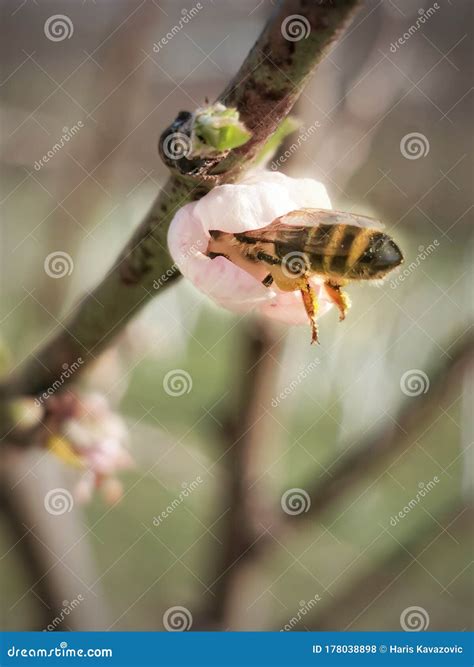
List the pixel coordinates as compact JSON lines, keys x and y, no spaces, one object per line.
{"x":337,"y":247}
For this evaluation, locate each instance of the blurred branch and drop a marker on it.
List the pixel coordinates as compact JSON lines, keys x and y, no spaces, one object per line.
{"x":382,"y":443}
{"x":25,"y":552}
{"x":377,"y":582}
{"x":364,"y":457}
{"x":246,"y":537}
{"x":57,"y":561}
{"x":263,"y":91}
{"x":245,"y":430}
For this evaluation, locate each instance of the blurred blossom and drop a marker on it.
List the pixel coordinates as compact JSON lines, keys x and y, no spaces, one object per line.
{"x":85,"y":433}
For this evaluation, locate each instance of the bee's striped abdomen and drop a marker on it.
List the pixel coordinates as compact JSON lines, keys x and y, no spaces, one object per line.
{"x":318,"y":242}
{"x":332,"y":249}
{"x":339,"y":262}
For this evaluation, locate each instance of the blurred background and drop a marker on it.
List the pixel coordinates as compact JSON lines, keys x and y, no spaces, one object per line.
{"x":330,"y":485}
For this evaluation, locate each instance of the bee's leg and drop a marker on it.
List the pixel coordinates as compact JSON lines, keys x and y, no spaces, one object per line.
{"x":268,"y":280}
{"x":307,"y":292}
{"x":339,"y":298}
{"x":311,"y":305}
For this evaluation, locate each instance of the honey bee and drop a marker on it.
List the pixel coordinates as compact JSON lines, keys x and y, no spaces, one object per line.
{"x":337,"y":247}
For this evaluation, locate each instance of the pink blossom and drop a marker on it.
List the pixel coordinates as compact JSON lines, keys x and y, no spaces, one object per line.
{"x":87,"y":434}
{"x":248,"y":205}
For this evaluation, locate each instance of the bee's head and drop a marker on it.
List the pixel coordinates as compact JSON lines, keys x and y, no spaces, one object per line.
{"x":379,"y":257}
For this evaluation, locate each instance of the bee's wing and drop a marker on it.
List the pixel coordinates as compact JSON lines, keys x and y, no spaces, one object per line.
{"x":291,"y":228}
{"x":310,"y":217}
{"x":275,"y":231}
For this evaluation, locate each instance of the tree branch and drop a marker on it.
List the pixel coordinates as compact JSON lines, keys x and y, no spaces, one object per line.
{"x":382,"y":443}
{"x":244,"y":430}
{"x":263,"y":91}
{"x":376,"y":583}
{"x":392,"y":437}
